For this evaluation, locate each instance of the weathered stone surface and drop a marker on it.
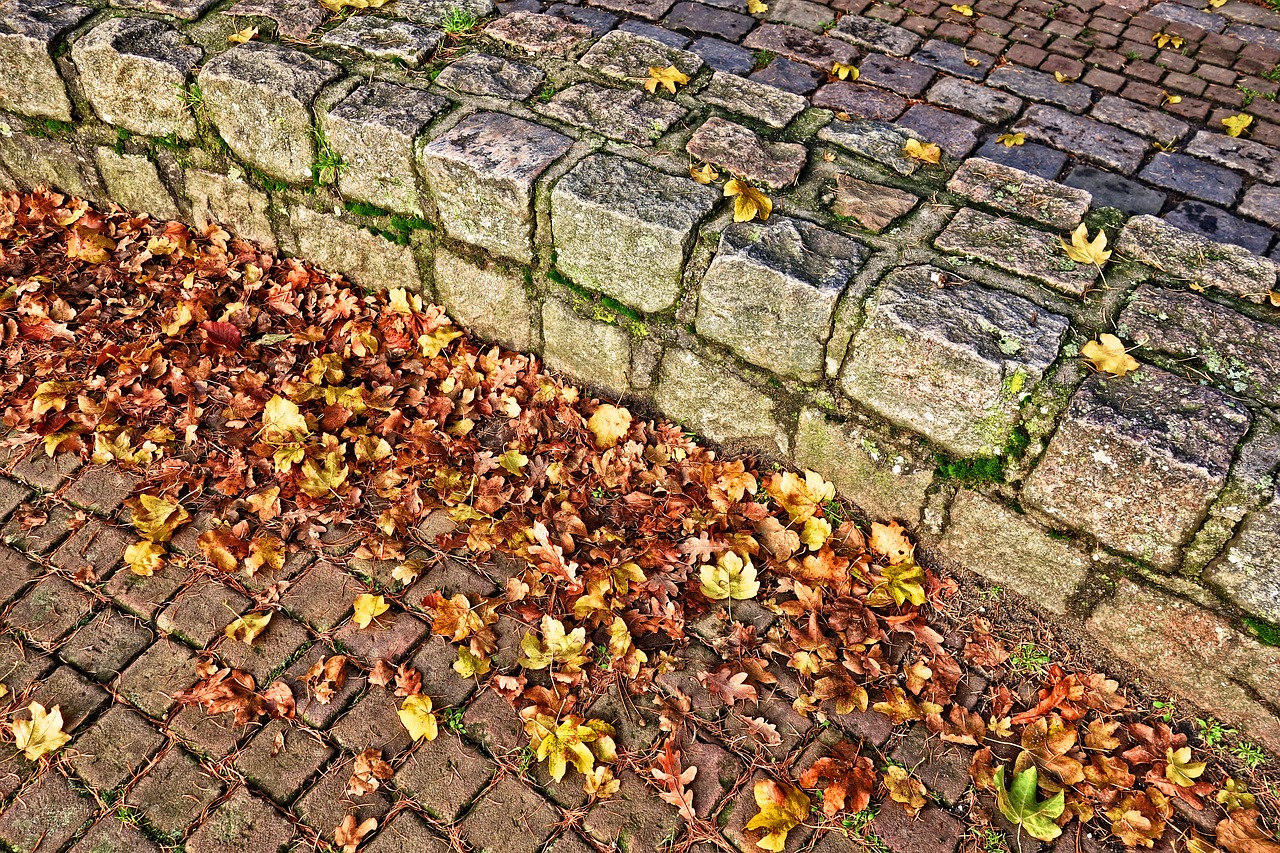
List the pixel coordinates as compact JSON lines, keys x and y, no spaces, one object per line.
{"x":1017,"y":248}
{"x":593,"y":352}
{"x":767,"y":104}
{"x":717,"y":404}
{"x":174,"y":792}
{"x":486,"y":299}
{"x":294,"y":18}
{"x":482,"y":74}
{"x":1110,"y":190}
{"x":133,"y":182}
{"x":802,"y":13}
{"x":48,"y":611}
{"x":444,"y":776}
{"x":1020,"y":193}
{"x":701,"y":19}
{"x":259,"y":96}
{"x":1248,"y":571}
{"x":241,"y":823}
{"x":1253,"y":158}
{"x":627,"y":56}
{"x":434,"y":11}
{"x":739,"y":150}
{"x":110,"y":835}
{"x":48,"y":162}
{"x":955,"y":135}
{"x":632,"y":819}
{"x":992,"y":541}
{"x":29,"y":81}
{"x":1262,"y":202}
{"x":114,"y":748}
{"x":934,"y":829}
{"x":771,"y":291}
{"x":481,"y":176}
{"x":789,"y":76}
{"x":1157,"y":448}
{"x":373,"y":130}
{"x":1218,"y":225}
{"x":624,"y":229}
{"x":535,"y":33}
{"x":954,"y":60}
{"x":134,"y":72}
{"x":1195,"y":652}
{"x":657,"y":33}
{"x":870,"y":34}
{"x":987,"y":105}
{"x":509,"y":818}
{"x":879,"y":142}
{"x":280,"y":759}
{"x":870,"y":205}
{"x":902,"y":76}
{"x":104,"y":646}
{"x":723,"y":56}
{"x":45,"y":816}
{"x":384,"y":39}
{"x":885,"y":479}
{"x":1038,"y":86}
{"x":1089,"y":140}
{"x":1028,"y":157}
{"x":1192,"y":260}
{"x":858,"y":100}
{"x":1161,"y":127}
{"x":363,"y":257}
{"x":953,"y":363}
{"x":627,"y":115}
{"x":1192,"y":177}
{"x":801,"y":46}
{"x":231,"y":202}
{"x":188,"y":9}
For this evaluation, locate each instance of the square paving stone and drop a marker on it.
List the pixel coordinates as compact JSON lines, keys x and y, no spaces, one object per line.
{"x":143,"y":596}
{"x":493,"y":724}
{"x":509,"y":818}
{"x":241,"y":824}
{"x":311,"y":711}
{"x":207,"y":735}
{"x":11,"y":495}
{"x":775,"y":710}
{"x":406,"y":833}
{"x":101,"y":488}
{"x":16,"y":571}
{"x":794,"y":77}
{"x":45,"y":816}
{"x":327,"y":802}
{"x":389,"y":637}
{"x":443,"y":776}
{"x":450,"y":577}
{"x":23,"y":664}
{"x":718,"y":772}
{"x":633,"y":717}
{"x":111,"y":835}
{"x":104,"y":646}
{"x":78,"y":697}
{"x":633,"y":818}
{"x":37,"y":528}
{"x":933,"y":829}
{"x":1194,"y":178}
{"x":435,"y":659}
{"x":322,"y":597}
{"x":96,"y":545}
{"x":373,"y":723}
{"x":283,"y":774}
{"x":202,"y":611}
{"x":161,"y":671}
{"x":49,"y":610}
{"x":45,"y":472}
{"x":627,"y":115}
{"x":1010,"y":245}
{"x":268,"y":652}
{"x":112,"y":750}
{"x":1109,"y":190}
{"x":942,"y":767}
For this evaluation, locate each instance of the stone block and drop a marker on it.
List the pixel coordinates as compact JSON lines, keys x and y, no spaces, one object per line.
{"x":592,"y":352}
{"x":406,"y":833}
{"x":1039,"y":86}
{"x":280,"y":759}
{"x":624,"y":229}
{"x":628,"y":56}
{"x":444,"y":776}
{"x":871,"y":206}
{"x":481,"y":175}
{"x":1015,"y":247}
{"x":114,"y":748}
{"x":433,"y":12}
{"x":723,"y":56}
{"x":104,"y":646}
{"x":710,"y":400}
{"x":632,"y":819}
{"x":510,"y":818}
{"x":487,"y":298}
{"x":162,"y":670}
{"x":174,"y":792}
{"x":110,"y":835}
{"x":627,"y":115}
{"x":1153,"y":124}
{"x":934,"y":830}
{"x":1195,"y":261}
{"x":46,"y":472}
{"x":801,"y":46}
{"x":322,"y":597}
{"x":1107,"y":146}
{"x":858,"y":100}
{"x":133,"y":182}
{"x":29,"y":81}
{"x":365,"y":258}
{"x":955,"y":135}
{"x":986,"y":105}
{"x":1020,"y":193}
{"x":241,"y":823}
{"x":745,"y":155}
{"x":757,"y":101}
{"x":372,"y":130}
{"x":770,"y":293}
{"x":224,"y":200}
{"x":144,"y":596}
{"x":1262,"y":202}
{"x":269,"y":650}
{"x":1248,"y":571}
{"x":259,"y":96}
{"x":36,"y":163}
{"x":188,"y":9}
{"x":41,"y":538}
{"x":48,"y":611}
{"x":134,"y":72}
{"x":383,"y":39}
{"x":1110,"y":190}
{"x":491,"y":76}
{"x":792,"y":77}
{"x":46,"y":816}
{"x":870,"y":34}
{"x":1253,"y":158}
{"x":952,"y":364}
{"x":201,"y":611}
{"x":900,"y":76}
{"x":373,"y":723}
{"x":389,"y":637}
{"x":78,"y":697}
{"x":1137,"y":461}
{"x":877,"y":141}
{"x":327,"y":802}
{"x":96,"y":546}
{"x":1192,"y":177}
{"x":534,"y":33}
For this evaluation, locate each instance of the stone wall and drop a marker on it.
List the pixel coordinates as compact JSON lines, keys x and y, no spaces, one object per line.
{"x":910,"y":331}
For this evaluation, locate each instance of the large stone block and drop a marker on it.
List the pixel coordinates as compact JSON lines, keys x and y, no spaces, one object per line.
{"x":227,"y":201}
{"x":753,"y":99}
{"x":593,"y":352}
{"x":771,"y":293}
{"x":627,"y":115}
{"x":383,"y":39}
{"x":952,"y":364}
{"x":1248,"y":571}
{"x":1020,"y":193}
{"x":1137,"y":460}
{"x":481,"y":175}
{"x":1012,"y":246}
{"x":485,"y":298}
{"x":628,"y":56}
{"x":133,"y":182}
{"x":340,"y":247}
{"x":745,"y":155}
{"x":29,"y":80}
{"x":134,"y":72}
{"x":878,"y":141}
{"x":1197,"y":261}
{"x":624,"y":229}
{"x":259,"y":96}
{"x":372,"y":130}
{"x":713,"y":402}
{"x":36,"y":162}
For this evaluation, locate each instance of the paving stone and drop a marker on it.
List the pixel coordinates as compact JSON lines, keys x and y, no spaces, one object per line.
{"x":50,"y":162}
{"x":1161,"y":127}
{"x":239,"y":824}
{"x":151,"y":680}
{"x":491,"y":76}
{"x":1017,"y":248}
{"x":1196,"y":261}
{"x":230,"y":201}
{"x":1193,"y":177}
{"x":1248,"y":571}
{"x":322,"y":597}
{"x":133,"y":182}
{"x":210,"y":736}
{"x":493,"y":724}
{"x":1082,"y":137}
{"x":509,"y":818}
{"x":432,"y":12}
{"x":744,"y":154}
{"x":723,"y":56}
{"x":596,"y":354}
{"x":660,"y":34}
{"x":766,"y":104}
{"x":1020,"y":193}
{"x":627,"y":115}
{"x":950,"y":363}
{"x":388,"y":638}
{"x":294,"y":18}
{"x":733,"y":819}
{"x":1116,"y":435}
{"x":801,"y":13}
{"x":111,"y":835}
{"x":46,"y":816}
{"x":373,"y":723}
{"x":1029,"y":157}
{"x":49,"y":611}
{"x":535,"y":33}
{"x":872,"y":35}
{"x":481,"y":176}
{"x":1045,"y":88}
{"x":45,"y":472}
{"x":933,"y":829}
{"x":1109,"y":190}
{"x":598,"y":21}
{"x":328,"y":801}
{"x":791,"y":76}
{"x":31,"y":82}
{"x":450,"y":577}
{"x":200,"y":612}
{"x":954,"y":60}
{"x":435,"y":659}
{"x":860,"y":101}
{"x":104,"y":646}
{"x":78,"y":697}
{"x":259,"y":96}
{"x":486,"y":298}
{"x":144,"y":596}
{"x":275,"y":645}
{"x":1262,"y":202}
{"x":1219,"y":226}
{"x":113,"y":749}
{"x":632,"y":819}
{"x":384,"y":39}
{"x":174,"y":792}
{"x":94,"y":545}
{"x":444,"y":776}
{"x":897,"y":75}
{"x":310,"y":711}
{"x":625,"y":229}
{"x":24,"y":664}
{"x":771,"y":292}
{"x":875,"y":140}
{"x":701,"y":19}
{"x":954,"y":134}
{"x":1253,"y":158}
{"x":870,"y":206}
{"x":716,"y":404}
{"x":627,"y":56}
{"x":801,"y":46}
{"x":11,"y":496}
{"x":188,"y":9}
{"x":718,"y":772}
{"x":406,"y":833}
{"x":986,"y":105}
{"x":16,"y":571}
{"x":357,"y":254}
{"x":35,"y":529}
{"x":281,"y":771}
{"x":121,"y":59}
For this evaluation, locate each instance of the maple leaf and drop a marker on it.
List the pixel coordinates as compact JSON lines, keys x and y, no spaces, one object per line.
{"x":1020,"y":806}
{"x":601,"y":783}
{"x":704,"y":174}
{"x":265,"y":552}
{"x":1163,"y":39}
{"x":1046,"y":743}
{"x":282,"y":421}
{"x":323,"y":478}
{"x":433,"y":344}
{"x":782,"y":808}
{"x":1138,"y":819}
{"x":890,"y":540}
{"x":815,"y":534}
{"x":556,"y":646}
{"x":40,"y":735}
{"x":668,"y":78}
{"x":848,"y":695}
{"x":927,"y":152}
{"x":368,"y":773}
{"x":1011,"y":140}
{"x":157,"y":518}
{"x":757,"y":7}
{"x":905,"y":789}
{"x":247,"y":628}
{"x":1240,"y":833}
{"x":901,"y":708}
{"x":415,"y":715}
{"x":51,"y":396}
{"x":247,"y":34}
{"x":571,"y":741}
{"x":89,"y":246}
{"x":845,"y":72}
{"x":1236,"y":124}
{"x":609,"y":424}
{"x":1107,"y":354}
{"x":748,"y":202}
{"x":800,"y":498}
{"x":1084,"y":251}
{"x":1180,"y":769}
{"x":369,"y":607}
{"x":729,"y":577}
{"x":221,"y":547}
{"x":1235,"y":795}
{"x":851,"y":779}
{"x":349,"y":834}
{"x":899,"y":584}
{"x":144,"y":557}
{"x":469,"y":664}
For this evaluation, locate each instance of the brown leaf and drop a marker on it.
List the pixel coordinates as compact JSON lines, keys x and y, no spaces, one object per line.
{"x":381,"y":674}
{"x":368,"y":773}
{"x":349,"y":834}
{"x":1240,"y":833}
{"x":851,"y":779}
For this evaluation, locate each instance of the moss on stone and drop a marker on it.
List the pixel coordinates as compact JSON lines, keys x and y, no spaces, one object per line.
{"x":1262,"y":630}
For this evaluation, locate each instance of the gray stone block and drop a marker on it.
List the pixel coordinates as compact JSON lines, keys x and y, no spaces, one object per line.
{"x":1110,"y":190}
{"x":1248,"y":571}
{"x":1193,"y":178}
{"x":745,"y":155}
{"x":1039,"y":86}
{"x":373,"y":130}
{"x":491,"y":76}
{"x":223,"y":200}
{"x":1195,"y":261}
{"x":486,"y":298}
{"x":187,"y":9}
{"x":384,"y":39}
{"x":535,"y":33}
{"x":36,"y":162}
{"x":955,"y":135}
{"x":758,"y":101}
{"x":627,"y":115}
{"x":134,"y":72}
{"x":875,"y":140}
{"x":624,"y":229}
{"x":955,"y":60}
{"x":29,"y":81}
{"x":294,"y":18}
{"x":771,"y":292}
{"x":1153,"y":124}
{"x":713,"y":402}
{"x":434,"y":11}
{"x":1107,"y":146}
{"x":1262,"y":202}
{"x":1219,"y":226}
{"x":593,"y":352}
{"x":1137,"y":460}
{"x":259,"y":96}
{"x":1017,"y":248}
{"x":627,"y":56}
{"x":133,"y":182}
{"x":361,"y":256}
{"x":952,"y":364}
{"x":481,"y":176}
{"x":801,"y":46}
{"x":1253,"y":158}
{"x":870,"y":34}
{"x":974,"y":99}
{"x":1020,"y":193}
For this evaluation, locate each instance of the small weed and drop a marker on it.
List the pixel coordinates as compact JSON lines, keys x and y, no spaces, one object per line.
{"x":598,"y":493}
{"x":1273,"y":75}
{"x":122,"y":137}
{"x":193,"y":97}
{"x":763,"y":58}
{"x":452,"y":720}
{"x":1249,"y":754}
{"x":1030,"y":659}
{"x":458,"y":21}
{"x":547,"y":92}
{"x":1248,"y":94}
{"x":1264,"y":632}
{"x":525,"y":758}
{"x":328,"y":162}
{"x":834,"y":512}
{"x":1212,"y":732}
{"x":1133,"y":56}
{"x":991,"y":840}
{"x":1167,"y":710}
{"x":990,"y":593}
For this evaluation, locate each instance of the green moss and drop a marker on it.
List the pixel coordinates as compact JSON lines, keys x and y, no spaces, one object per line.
{"x":122,"y":137}
{"x":361,"y":209}
{"x":984,"y":469}
{"x":51,"y":128}
{"x":1265,"y":632}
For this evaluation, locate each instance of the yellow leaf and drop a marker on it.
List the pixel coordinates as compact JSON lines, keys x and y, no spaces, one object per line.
{"x":469,"y":664}
{"x":247,"y":628}
{"x":1009,"y":140}
{"x":845,"y":72}
{"x":816,"y":533}
{"x":1063,"y":78}
{"x":1235,"y":795}
{"x":369,"y":607}
{"x":668,"y":78}
{"x":704,"y":175}
{"x":282,"y":422}
{"x":415,"y":715}
{"x":1163,"y":40}
{"x":157,"y":518}
{"x":89,"y":246}
{"x":1167,"y":99}
{"x":265,"y":552}
{"x":756,"y":7}
{"x":1236,"y":124}
{"x":748,"y":202}
{"x":730,"y":577}
{"x":40,"y":735}
{"x":782,"y":808}
{"x":1217,"y":4}
{"x":890,"y":540}
{"x":432,"y":344}
{"x":963,"y":9}
{"x":144,"y":558}
{"x":1083,"y":251}
{"x":512,"y":461}
{"x":1107,"y":354}
{"x":322,"y":478}
{"x":1180,"y":769}
{"x":372,"y":448}
{"x":901,"y":584}
{"x":800,"y":498}
{"x":904,"y":789}
{"x":557,"y":646}
{"x":243,"y":36}
{"x":51,"y":396}
{"x":927,"y":152}
{"x":609,"y":424}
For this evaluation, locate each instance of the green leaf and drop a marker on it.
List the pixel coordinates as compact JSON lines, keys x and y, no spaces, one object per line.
{"x":1019,"y":805}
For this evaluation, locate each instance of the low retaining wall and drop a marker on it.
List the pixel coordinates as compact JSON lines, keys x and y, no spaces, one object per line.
{"x":910,"y":331}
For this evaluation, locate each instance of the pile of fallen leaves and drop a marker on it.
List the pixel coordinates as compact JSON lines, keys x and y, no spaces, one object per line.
{"x":273,"y":404}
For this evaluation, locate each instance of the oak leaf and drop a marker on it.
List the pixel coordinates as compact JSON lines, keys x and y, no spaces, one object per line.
{"x":1108,"y":355}
{"x":851,"y":779}
{"x":782,"y":808}
{"x":349,"y":834}
{"x":1240,"y":833}
{"x":40,"y":735}
{"x":368,"y":773}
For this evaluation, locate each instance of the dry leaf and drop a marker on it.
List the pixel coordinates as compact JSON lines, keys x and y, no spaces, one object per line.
{"x":40,"y":735}
{"x":748,"y":202}
{"x":1010,"y":140}
{"x":668,"y":78}
{"x":782,"y":808}
{"x":730,"y":577}
{"x":1236,"y":124}
{"x":368,"y":773}
{"x":144,"y":557}
{"x":845,"y":72}
{"x":1108,"y":355}
{"x":1083,"y":251}
{"x":243,"y":36}
{"x":369,"y":607}
{"x":705,"y":174}
{"x":926,"y":152}
{"x":349,"y":834}
{"x":609,"y":424}
{"x":415,"y":715}
{"x":247,"y":628}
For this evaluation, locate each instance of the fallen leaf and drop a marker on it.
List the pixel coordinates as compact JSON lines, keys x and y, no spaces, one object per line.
{"x":1235,"y":795}
{"x":905,"y":789}
{"x":40,"y":735}
{"x":890,"y":541}
{"x":1019,"y":804}
{"x":368,"y":773}
{"x":243,"y":36}
{"x":369,"y":607}
{"x":247,"y":628}
{"x":157,"y":518}
{"x":845,"y":72}
{"x":1063,"y":78}
{"x":757,"y":7}
{"x":705,"y":174}
{"x":851,"y":779}
{"x":1011,"y":140}
{"x":730,"y":577}
{"x":668,"y":78}
{"x":144,"y":557}
{"x":1083,"y":251}
{"x":963,"y":9}
{"x":748,"y":202}
{"x":349,"y":834}
{"x":1108,"y":355}
{"x":927,"y":152}
{"x":1180,"y":769}
{"x":1240,"y":833}
{"x":415,"y":715}
{"x":609,"y":424}
{"x":782,"y":808}
{"x":1163,"y":39}
{"x":1236,"y":124}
